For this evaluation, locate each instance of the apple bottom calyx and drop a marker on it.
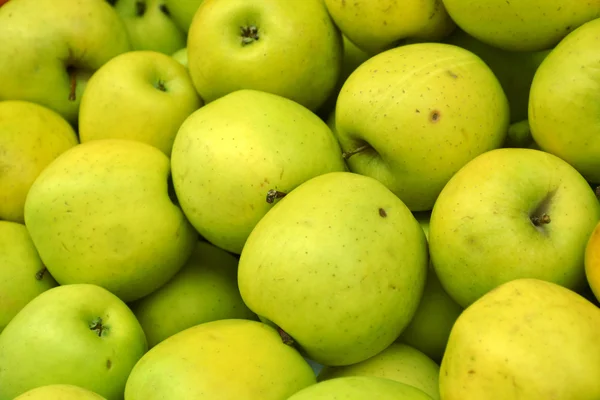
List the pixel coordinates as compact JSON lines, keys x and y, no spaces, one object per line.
{"x":273,"y":195}
{"x":540,"y":220}
{"x":249,"y":34}
{"x":285,"y":337}
{"x":98,"y":326}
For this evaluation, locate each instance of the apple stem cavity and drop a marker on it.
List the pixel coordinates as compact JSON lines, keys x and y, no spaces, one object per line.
{"x":40,"y":274}
{"x":249,"y":34}
{"x":96,"y":325}
{"x":273,"y":195}
{"x":165,"y":10}
{"x":285,"y":337}
{"x":347,"y":154}
{"x":140,"y":8}
{"x":160,"y":85}
{"x":73,"y":83}
{"x":540,"y":220}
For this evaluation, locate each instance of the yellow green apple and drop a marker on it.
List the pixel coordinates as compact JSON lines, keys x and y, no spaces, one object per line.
{"x":225,"y":359}
{"x":525,"y":25}
{"x":289,"y":48}
{"x":511,"y":213}
{"x":592,"y":261}
{"x":339,"y":264}
{"x":102,"y":213}
{"x":139,"y":95}
{"x":565,"y":92}
{"x":59,"y":392}
{"x":204,"y":290}
{"x":226,"y":161}
{"x":77,"y":334}
{"x":50,"y":48}
{"x":181,"y":56}
{"x":32,"y":136}
{"x":527,"y":339}
{"x":412,"y":116}
{"x":22,"y":274}
{"x":183,"y":11}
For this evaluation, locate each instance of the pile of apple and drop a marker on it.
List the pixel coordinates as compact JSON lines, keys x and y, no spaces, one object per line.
{"x":299,"y":199}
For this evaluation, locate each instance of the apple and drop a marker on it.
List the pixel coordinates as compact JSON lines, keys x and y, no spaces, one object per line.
{"x":31,"y":137}
{"x":182,"y":11}
{"x":526,"y":25}
{"x":204,"y":290}
{"x":338,"y":264}
{"x":398,"y":362}
{"x":139,"y":95}
{"x":359,"y":388}
{"x":2,"y":2}
{"x":563,"y":111}
{"x":225,"y":359}
{"x":59,"y":392}
{"x":22,"y":274}
{"x":181,"y":56}
{"x":101,"y":213}
{"x":592,"y":261}
{"x":519,"y":135}
{"x":227,"y":161}
{"x":377,"y":26}
{"x":527,"y":339}
{"x":149,"y":25}
{"x":289,"y":48}
{"x":511,"y":213}
{"x":77,"y":334}
{"x":514,"y":69}
{"x":412,"y":116}
{"x":50,"y":48}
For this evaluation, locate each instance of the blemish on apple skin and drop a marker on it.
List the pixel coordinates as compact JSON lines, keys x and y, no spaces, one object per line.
{"x":434,"y":116}
{"x":382,"y":213}
{"x":108,"y":364}
{"x":452,"y":74}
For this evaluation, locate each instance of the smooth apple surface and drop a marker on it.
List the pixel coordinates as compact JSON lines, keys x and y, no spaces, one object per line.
{"x":592,"y":261}
{"x":59,"y":392}
{"x":183,"y":11}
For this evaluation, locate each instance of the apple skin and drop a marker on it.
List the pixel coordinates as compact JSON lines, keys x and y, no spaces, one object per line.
{"x":225,"y":359}
{"x":49,"y":45}
{"x":52,"y":340}
{"x":398,"y":362}
{"x":376,"y":26}
{"x":101,"y":213}
{"x":181,"y":56}
{"x":592,"y":261}
{"x":420,"y":112}
{"x":565,"y":92}
{"x":527,"y":339}
{"x":226,"y":161}
{"x":297,"y":53}
{"x":183,"y":11}
{"x":149,"y":25}
{"x":32,"y":136}
{"x":517,"y":26}
{"x":204,"y":290}
{"x":139,"y":95}
{"x":22,"y":274}
{"x":482,"y":232}
{"x":59,"y":392}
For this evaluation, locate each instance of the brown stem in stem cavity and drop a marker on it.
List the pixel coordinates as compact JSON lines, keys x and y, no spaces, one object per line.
{"x":96,"y":325}
{"x":40,"y":274}
{"x":540,"y":220}
{"x":360,"y":149}
{"x":273,"y":195}
{"x":73,"y":84}
{"x":285,"y":337}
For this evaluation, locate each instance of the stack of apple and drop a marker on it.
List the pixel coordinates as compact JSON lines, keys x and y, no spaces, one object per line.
{"x":299,"y":199}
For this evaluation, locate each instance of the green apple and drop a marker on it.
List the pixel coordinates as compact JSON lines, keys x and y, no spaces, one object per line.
{"x":22,"y":274}
{"x":149,"y":25}
{"x":181,"y":56}
{"x":411,"y":117}
{"x":204,"y":290}
{"x":519,"y":135}
{"x":226,"y":161}
{"x":101,"y":213}
{"x":338,"y":264}
{"x":563,"y":106}
{"x":525,"y":25}
{"x":528,"y":339}
{"x":225,"y":359}
{"x":592,"y":261}
{"x":182,"y":11}
{"x":59,"y":392}
{"x":398,"y":362}
{"x":376,"y":26}
{"x":514,"y":69}
{"x":31,"y":137}
{"x":360,"y":388}
{"x":290,"y":48}
{"x":139,"y":95}
{"x":50,"y":48}
{"x":78,"y":334}
{"x":511,"y":213}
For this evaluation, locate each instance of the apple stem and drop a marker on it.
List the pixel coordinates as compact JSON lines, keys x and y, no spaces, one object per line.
{"x":40,"y":274}
{"x":285,"y":337}
{"x":540,"y":220}
{"x":360,"y":149}
{"x":273,"y":194}
{"x":96,"y":325}
{"x":73,"y":84}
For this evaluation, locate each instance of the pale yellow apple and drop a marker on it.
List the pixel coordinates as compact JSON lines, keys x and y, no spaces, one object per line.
{"x":140,"y":95}
{"x":592,"y":261}
{"x":59,"y":392}
{"x":31,"y":137}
